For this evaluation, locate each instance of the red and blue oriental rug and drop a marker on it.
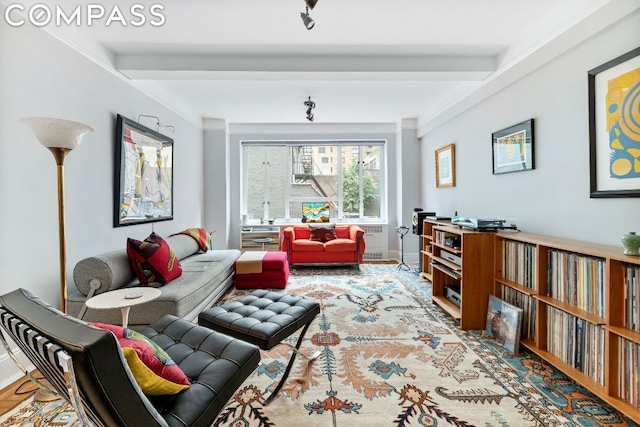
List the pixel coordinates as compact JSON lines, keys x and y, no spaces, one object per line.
{"x":389,"y":357}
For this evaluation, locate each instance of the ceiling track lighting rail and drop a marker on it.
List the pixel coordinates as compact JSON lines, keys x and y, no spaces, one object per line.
{"x":310,"y":106}
{"x":306,"y":19}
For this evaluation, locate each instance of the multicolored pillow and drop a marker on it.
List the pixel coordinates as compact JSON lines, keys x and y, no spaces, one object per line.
{"x":153,"y":261}
{"x":322,"y":232}
{"x":200,"y":235}
{"x":155,"y":372}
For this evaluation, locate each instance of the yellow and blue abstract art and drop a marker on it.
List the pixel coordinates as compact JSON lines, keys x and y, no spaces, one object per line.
{"x":623,"y":125}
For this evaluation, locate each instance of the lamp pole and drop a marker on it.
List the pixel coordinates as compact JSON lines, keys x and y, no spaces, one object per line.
{"x":59,"y":154}
{"x":60,"y":137}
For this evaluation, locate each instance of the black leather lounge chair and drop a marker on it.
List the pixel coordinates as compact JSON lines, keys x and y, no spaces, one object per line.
{"x":86,"y":367}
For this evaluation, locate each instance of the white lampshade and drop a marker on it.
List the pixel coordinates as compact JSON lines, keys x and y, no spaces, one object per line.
{"x":57,"y":133}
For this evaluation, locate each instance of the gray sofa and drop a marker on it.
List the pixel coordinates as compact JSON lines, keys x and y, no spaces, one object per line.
{"x":205,"y":278}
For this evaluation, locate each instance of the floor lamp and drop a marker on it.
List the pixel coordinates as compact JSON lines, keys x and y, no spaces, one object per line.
{"x":60,"y":137}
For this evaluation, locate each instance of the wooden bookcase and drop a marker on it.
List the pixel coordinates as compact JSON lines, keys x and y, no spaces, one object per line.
{"x":582,"y":309}
{"x":466,"y":267}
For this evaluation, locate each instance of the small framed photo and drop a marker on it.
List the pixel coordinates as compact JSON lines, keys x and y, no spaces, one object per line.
{"x":446,"y":166}
{"x":614,"y":127}
{"x":513,"y":148}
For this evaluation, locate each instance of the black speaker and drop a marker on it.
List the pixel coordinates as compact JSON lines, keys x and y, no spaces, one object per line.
{"x":417,"y":221}
{"x":418,"y":218}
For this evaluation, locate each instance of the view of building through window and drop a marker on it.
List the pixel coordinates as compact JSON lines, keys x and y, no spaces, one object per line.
{"x":280,"y":177}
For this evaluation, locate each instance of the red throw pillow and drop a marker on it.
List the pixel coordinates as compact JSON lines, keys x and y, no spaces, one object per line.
{"x":153,"y":261}
{"x":154,"y":370}
{"x":322,"y":233}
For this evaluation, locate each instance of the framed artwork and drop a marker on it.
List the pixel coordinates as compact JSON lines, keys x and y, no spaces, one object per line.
{"x":143,"y":184}
{"x":504,"y":323}
{"x":446,"y":166}
{"x":315,"y":211}
{"x":614,"y":127}
{"x":513,"y":148}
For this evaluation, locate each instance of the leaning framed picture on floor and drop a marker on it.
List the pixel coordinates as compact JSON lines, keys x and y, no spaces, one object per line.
{"x":504,"y":322}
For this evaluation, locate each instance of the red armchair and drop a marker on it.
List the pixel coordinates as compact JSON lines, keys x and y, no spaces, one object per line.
{"x":347,"y":248}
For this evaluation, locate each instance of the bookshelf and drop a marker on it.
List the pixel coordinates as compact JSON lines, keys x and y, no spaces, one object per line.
{"x":256,"y":238}
{"x":460,"y":272}
{"x":581,"y":305}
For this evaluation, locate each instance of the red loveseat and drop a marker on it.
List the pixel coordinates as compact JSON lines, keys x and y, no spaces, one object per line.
{"x":347,"y":248}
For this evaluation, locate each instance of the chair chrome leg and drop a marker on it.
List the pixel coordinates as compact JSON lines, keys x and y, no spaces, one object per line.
{"x":296,"y":350}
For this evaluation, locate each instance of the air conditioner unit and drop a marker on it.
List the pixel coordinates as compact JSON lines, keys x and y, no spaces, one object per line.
{"x":376,"y":237}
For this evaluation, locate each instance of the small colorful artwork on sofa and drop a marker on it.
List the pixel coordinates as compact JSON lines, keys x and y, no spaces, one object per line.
{"x":315,"y":212}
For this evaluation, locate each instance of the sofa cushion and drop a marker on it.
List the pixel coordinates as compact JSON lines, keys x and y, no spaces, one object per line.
{"x":154,"y":370}
{"x":301,"y":232}
{"x":153,"y":261}
{"x":322,"y":232}
{"x":305,"y":245}
{"x":340,"y":245}
{"x":342,"y":231}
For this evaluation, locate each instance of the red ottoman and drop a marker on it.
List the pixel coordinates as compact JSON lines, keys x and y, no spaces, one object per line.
{"x":271,"y":273}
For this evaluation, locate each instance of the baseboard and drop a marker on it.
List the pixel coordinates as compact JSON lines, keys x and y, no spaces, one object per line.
{"x":9,"y":372}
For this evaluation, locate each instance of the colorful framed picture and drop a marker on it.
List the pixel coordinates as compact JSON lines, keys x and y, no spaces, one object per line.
{"x":143,"y":187}
{"x":513,"y":148}
{"x":504,"y":323}
{"x":614,"y":127}
{"x":446,"y":166}
{"x":315,"y":211}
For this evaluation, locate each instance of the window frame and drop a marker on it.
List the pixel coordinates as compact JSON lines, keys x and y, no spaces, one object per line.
{"x":337,"y":200}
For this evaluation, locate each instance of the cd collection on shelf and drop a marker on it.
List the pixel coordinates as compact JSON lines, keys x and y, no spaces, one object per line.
{"x":631,"y":305}
{"x":519,"y":263}
{"x":577,"y":280}
{"x":629,"y":361}
{"x":577,"y":342}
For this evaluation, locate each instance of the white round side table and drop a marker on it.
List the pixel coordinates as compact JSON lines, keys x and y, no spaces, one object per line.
{"x":123,"y":299}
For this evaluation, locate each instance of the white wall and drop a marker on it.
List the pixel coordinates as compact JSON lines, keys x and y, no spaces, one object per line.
{"x":40,"y":76}
{"x":554,"y":198}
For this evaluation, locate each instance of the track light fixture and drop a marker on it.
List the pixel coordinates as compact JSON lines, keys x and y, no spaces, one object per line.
{"x":310,"y":106}
{"x":306,"y":19}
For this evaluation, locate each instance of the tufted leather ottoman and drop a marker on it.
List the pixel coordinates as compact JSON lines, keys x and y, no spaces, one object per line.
{"x":263,"y":318}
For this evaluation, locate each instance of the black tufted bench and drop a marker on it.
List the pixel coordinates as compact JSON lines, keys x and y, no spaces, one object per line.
{"x":263,"y":318}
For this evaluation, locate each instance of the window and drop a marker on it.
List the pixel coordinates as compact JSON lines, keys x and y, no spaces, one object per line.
{"x":280,"y":176}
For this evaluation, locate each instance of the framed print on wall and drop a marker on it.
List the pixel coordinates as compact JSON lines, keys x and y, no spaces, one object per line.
{"x":143,"y":184}
{"x":446,"y":166}
{"x":513,"y":148}
{"x":614,"y":127}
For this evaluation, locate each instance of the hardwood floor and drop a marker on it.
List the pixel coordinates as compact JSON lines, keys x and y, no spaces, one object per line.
{"x":11,"y":396}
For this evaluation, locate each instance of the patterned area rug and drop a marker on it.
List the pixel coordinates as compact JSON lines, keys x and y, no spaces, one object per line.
{"x":389,"y":357}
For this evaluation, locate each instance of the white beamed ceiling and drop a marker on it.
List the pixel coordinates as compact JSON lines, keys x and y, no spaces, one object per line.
{"x":365,"y":61}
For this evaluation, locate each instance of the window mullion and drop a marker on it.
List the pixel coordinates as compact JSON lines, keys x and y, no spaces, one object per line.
{"x":265,"y":182}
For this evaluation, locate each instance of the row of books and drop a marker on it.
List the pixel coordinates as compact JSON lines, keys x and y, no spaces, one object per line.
{"x":439,"y":237}
{"x":528,"y":305}
{"x":631,"y":297}
{"x":519,"y":263}
{"x":629,"y":363}
{"x":577,"y":342}
{"x":577,"y":280}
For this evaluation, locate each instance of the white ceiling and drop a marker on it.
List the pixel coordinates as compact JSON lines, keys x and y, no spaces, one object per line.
{"x":253,"y":61}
